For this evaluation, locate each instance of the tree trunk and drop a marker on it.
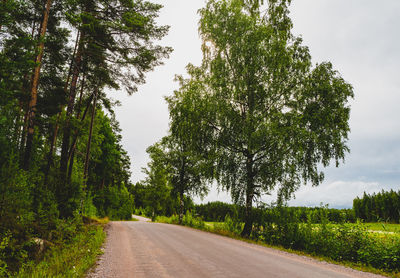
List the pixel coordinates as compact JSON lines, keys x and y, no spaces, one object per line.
{"x":85,"y":173}
{"x":63,"y":192}
{"x":70,"y":108}
{"x":86,"y":168}
{"x":182,"y":188}
{"x":75,"y":139}
{"x":35,"y":83}
{"x":181,"y":207}
{"x":17,"y":127}
{"x":248,"y":225}
{"x":51,"y":151}
{"x":72,"y":150}
{"x":23,"y":137}
{"x":57,"y":126}
{"x":4,"y":1}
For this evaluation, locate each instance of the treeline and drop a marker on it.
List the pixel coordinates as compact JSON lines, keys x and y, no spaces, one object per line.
{"x":60,"y":146}
{"x":377,"y":207}
{"x":218,"y":211}
{"x":382,"y":206}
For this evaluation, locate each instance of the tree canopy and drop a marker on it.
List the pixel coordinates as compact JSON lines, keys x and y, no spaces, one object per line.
{"x":257,"y":107}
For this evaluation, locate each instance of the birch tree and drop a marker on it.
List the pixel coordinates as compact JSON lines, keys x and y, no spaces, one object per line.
{"x":268,"y":115}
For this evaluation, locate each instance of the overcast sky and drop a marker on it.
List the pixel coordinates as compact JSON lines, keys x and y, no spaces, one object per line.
{"x":360,"y":38}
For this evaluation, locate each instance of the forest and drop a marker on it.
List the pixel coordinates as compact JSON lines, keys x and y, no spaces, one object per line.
{"x":255,"y":117}
{"x":61,"y":155}
{"x":383,"y":206}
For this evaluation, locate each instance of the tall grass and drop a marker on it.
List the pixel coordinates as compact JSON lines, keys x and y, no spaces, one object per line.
{"x":72,"y":259}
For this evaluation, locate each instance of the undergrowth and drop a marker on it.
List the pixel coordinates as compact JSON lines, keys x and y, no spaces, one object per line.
{"x":72,"y":258}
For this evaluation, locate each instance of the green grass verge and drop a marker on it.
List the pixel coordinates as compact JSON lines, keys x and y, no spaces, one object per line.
{"x":73,"y":259}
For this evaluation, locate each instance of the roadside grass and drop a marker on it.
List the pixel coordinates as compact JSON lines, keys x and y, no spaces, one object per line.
{"x":376,"y":252}
{"x":71,"y":259}
{"x":101,"y":221}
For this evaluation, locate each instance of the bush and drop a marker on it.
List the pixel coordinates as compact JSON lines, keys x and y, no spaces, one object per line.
{"x":233,"y":226}
{"x":340,"y":242}
{"x":187,"y":220}
{"x":195,"y":222}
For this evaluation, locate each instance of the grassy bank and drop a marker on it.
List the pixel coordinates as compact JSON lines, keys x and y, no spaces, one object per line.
{"x":348,"y":244}
{"x":72,"y":258}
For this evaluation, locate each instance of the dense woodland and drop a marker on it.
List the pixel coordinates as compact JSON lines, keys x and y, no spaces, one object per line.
{"x":255,"y":116}
{"x":382,"y":206}
{"x":60,"y":144}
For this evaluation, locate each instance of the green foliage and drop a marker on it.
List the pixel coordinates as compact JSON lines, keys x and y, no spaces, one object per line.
{"x":175,"y":174}
{"x":118,"y":39}
{"x":5,"y":238}
{"x":72,"y":259}
{"x":256,"y":110}
{"x":89,"y":209}
{"x":217,"y":211}
{"x":16,"y":216}
{"x":344,"y":242}
{"x":119,"y":203}
{"x":169,"y":184}
{"x":184,"y":166}
{"x":233,"y":226}
{"x":158,"y":187}
{"x":341,"y":242}
{"x":194,"y":222}
{"x":188,"y":220}
{"x":116,"y":43}
{"x":382,"y":206}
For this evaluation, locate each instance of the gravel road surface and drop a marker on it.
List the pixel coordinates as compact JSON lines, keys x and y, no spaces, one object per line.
{"x":143,"y":249}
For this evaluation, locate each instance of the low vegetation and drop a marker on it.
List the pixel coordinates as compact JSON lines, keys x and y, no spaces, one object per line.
{"x":71,"y":254}
{"x":341,"y":242}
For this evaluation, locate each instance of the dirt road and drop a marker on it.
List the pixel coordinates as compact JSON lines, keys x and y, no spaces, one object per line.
{"x":142,"y":249}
